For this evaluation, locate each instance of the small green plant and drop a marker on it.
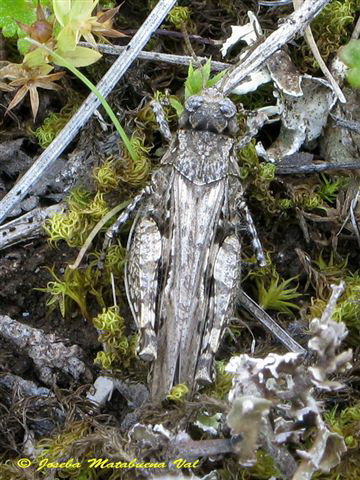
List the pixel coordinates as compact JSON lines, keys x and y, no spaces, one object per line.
{"x":272,"y":291}
{"x":332,"y":268}
{"x":350,"y":55}
{"x":345,"y":422}
{"x":179,"y":16}
{"x":276,"y":295}
{"x":330,"y":188}
{"x":200,"y":78}
{"x":76,"y":223}
{"x":197,"y":79}
{"x":178,"y":393}
{"x":118,"y":347}
{"x":54,"y":123}
{"x":73,"y":286}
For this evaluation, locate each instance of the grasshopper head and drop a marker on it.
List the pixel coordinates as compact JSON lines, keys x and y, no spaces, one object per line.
{"x":211,"y":112}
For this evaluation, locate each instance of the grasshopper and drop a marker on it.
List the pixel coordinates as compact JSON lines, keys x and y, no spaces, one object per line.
{"x":183,"y":269}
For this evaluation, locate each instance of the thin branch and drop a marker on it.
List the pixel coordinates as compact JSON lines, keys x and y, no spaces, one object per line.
{"x":337,"y":291}
{"x":315,"y":168}
{"x":294,"y":24}
{"x":105,"y":86}
{"x":259,"y":314}
{"x":343,"y":123}
{"x":157,"y":56}
{"x":27,"y":226}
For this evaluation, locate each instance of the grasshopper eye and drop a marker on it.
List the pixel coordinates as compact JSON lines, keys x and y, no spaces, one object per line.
{"x":193,"y":103}
{"x":227,"y":108}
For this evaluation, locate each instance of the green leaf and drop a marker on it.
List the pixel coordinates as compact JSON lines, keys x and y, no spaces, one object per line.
{"x":354,"y":77}
{"x":179,"y":108}
{"x":10,"y":10}
{"x":79,"y":57}
{"x":22,"y":46}
{"x":350,"y":55}
{"x":199,"y":79}
{"x":216,"y":78}
{"x":206,"y":70}
{"x":37,"y":58}
{"x":61,"y":10}
{"x":81,"y":10}
{"x":66,"y":39}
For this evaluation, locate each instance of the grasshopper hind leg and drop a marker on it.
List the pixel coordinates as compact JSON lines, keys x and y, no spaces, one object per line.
{"x":226,"y":278}
{"x":142,"y":272}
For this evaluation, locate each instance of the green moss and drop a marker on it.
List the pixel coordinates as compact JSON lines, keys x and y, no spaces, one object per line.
{"x":259,"y":175}
{"x":347,"y":309}
{"x":179,"y":16}
{"x":178,"y":393}
{"x":137,"y":170}
{"x":264,"y":469}
{"x":74,"y":225}
{"x":106,"y":175}
{"x":222,"y":383}
{"x":118,"y":347}
{"x":74,"y":286}
{"x":331,"y":29}
{"x":54,"y":123}
{"x":330,"y":187}
{"x":347,"y":423}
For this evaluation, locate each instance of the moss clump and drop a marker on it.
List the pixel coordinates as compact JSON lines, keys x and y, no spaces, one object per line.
{"x":118,"y":347}
{"x":262,"y":470}
{"x":53,"y":124}
{"x":222,"y":384}
{"x":259,"y":175}
{"x":272,"y":291}
{"x":179,"y":16}
{"x":137,"y":171}
{"x":178,"y":393}
{"x":347,"y":309}
{"x":106,"y":175}
{"x":331,"y":30}
{"x":74,"y":226}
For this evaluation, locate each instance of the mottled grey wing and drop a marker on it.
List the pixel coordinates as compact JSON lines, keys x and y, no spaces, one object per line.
{"x":185,"y":282}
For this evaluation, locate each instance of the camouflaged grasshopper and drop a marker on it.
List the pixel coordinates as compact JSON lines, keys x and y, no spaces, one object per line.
{"x":183,"y":268}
